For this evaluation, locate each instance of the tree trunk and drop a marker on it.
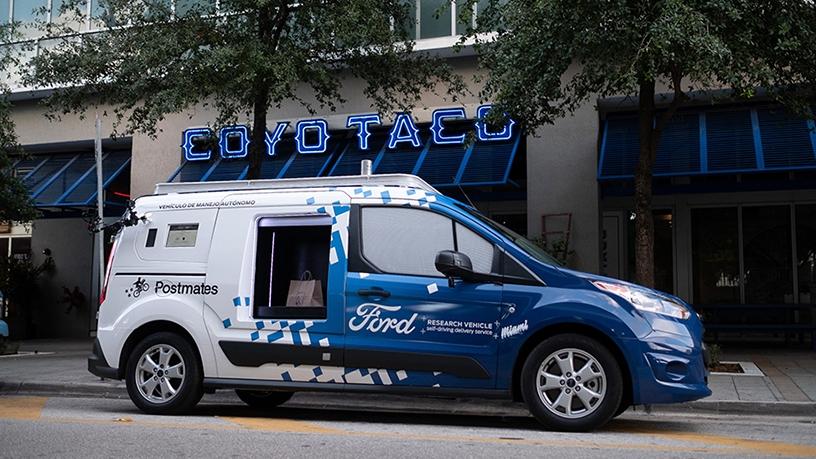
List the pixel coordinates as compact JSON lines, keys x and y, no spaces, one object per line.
{"x":644,"y":221}
{"x":257,"y":141}
{"x":261,"y":87}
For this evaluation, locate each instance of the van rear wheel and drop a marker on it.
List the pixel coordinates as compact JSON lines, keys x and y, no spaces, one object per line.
{"x":572,"y":383}
{"x":265,"y":400}
{"x":163,"y":375}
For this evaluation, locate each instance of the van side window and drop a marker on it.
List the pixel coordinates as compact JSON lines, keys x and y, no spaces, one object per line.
{"x":480,"y":251}
{"x":182,"y":235}
{"x":292,"y":267}
{"x":513,"y":269}
{"x":151,"y":237}
{"x":401,"y":240}
{"x":405,"y":241}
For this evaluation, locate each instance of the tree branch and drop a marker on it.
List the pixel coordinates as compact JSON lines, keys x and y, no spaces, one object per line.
{"x":679,"y":98}
{"x":280,"y":24}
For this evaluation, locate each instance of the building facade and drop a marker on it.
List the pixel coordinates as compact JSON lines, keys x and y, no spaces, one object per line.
{"x":735,"y":206}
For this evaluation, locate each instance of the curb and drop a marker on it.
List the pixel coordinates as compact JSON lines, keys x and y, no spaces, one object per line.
{"x":763,"y":408}
{"x":100,"y":390}
{"x":406,"y":404}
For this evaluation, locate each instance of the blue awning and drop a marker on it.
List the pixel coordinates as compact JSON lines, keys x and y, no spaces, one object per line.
{"x":712,"y":141}
{"x":475,"y":164}
{"x":285,"y":164}
{"x":69,"y":179}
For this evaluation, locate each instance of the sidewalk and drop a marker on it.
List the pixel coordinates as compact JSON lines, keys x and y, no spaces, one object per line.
{"x":788,"y":387}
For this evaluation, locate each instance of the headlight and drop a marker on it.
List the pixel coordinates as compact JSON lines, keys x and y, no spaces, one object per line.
{"x":645,"y":300}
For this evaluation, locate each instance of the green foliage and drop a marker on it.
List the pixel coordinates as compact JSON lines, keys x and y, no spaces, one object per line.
{"x":18,"y":278}
{"x":548,"y":57}
{"x":714,"y":355}
{"x":15,"y":201}
{"x":252,"y":56}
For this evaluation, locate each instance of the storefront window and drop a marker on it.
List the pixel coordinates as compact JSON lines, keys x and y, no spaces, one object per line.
{"x":410,"y":24}
{"x":23,"y":53}
{"x":435,"y":18}
{"x":21,"y":248}
{"x":432,"y":26}
{"x":715,"y":255}
{"x":806,"y":252}
{"x":5,"y":6}
{"x":766,"y":235}
{"x":461,"y":24}
{"x":26,"y":12}
{"x":75,"y":17}
{"x":184,"y":7}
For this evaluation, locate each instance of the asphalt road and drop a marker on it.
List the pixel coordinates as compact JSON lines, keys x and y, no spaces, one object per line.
{"x":95,"y":427}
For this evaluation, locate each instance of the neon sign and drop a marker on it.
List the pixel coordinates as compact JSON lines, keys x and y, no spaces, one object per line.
{"x":312,"y":135}
{"x":227,"y":139}
{"x":272,"y":139}
{"x":437,"y":127}
{"x":362,"y":121}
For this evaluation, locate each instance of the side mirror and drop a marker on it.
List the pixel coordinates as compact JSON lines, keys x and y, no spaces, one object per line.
{"x":454,"y":265}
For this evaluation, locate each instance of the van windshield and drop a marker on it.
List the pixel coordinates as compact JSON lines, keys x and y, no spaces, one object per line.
{"x":528,"y":246}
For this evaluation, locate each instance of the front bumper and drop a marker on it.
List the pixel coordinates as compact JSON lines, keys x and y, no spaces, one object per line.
{"x":99,"y":366}
{"x":671,"y":369}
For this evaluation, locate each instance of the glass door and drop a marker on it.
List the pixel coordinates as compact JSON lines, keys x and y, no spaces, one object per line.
{"x":767,"y":255}
{"x":806,"y":253}
{"x":715,"y":255}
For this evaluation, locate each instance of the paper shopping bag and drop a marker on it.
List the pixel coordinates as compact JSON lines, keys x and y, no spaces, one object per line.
{"x":305,"y":292}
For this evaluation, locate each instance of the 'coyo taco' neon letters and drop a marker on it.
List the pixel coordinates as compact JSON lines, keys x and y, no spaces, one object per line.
{"x":312,"y":136}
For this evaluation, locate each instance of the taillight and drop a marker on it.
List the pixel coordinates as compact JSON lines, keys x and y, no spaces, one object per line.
{"x":104,"y":292}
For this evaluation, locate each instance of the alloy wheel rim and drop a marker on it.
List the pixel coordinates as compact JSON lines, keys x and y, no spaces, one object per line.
{"x":160,"y":373}
{"x":571,"y":383}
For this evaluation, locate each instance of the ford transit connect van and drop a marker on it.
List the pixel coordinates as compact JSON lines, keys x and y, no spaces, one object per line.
{"x":374,"y":284}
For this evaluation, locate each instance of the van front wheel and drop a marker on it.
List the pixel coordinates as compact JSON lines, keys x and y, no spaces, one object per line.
{"x":571,"y":382}
{"x":265,"y":400}
{"x":163,"y":375}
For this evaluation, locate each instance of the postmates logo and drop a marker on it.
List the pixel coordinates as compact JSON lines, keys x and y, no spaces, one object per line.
{"x":139,"y":285}
{"x":167,"y":288}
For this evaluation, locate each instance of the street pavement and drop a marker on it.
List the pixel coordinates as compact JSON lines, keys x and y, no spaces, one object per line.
{"x":788,"y":387}
{"x":790,"y":375}
{"x":100,"y":427}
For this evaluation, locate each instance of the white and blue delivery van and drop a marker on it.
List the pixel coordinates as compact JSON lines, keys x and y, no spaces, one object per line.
{"x":374,"y":283}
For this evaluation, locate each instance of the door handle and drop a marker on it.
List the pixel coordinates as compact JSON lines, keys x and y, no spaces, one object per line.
{"x":510,"y":308}
{"x":374,"y":292}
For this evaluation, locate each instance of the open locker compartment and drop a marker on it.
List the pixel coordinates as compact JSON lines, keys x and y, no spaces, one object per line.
{"x":291,"y":251}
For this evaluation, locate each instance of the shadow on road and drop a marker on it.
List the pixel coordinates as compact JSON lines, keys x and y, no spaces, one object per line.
{"x":623,"y":424}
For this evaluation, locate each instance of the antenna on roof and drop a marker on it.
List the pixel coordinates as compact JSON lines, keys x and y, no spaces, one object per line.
{"x":365,"y":167}
{"x":467,"y":197}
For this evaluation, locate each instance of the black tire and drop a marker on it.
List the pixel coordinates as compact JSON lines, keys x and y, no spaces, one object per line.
{"x":621,"y":409}
{"x":264,"y":400}
{"x":190,"y":390}
{"x":598,"y":413}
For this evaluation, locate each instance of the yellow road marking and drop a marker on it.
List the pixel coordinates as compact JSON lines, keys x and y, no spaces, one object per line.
{"x":21,"y":407}
{"x":30,"y":408}
{"x":548,"y":442}
{"x":282,"y":425}
{"x":757,"y":446}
